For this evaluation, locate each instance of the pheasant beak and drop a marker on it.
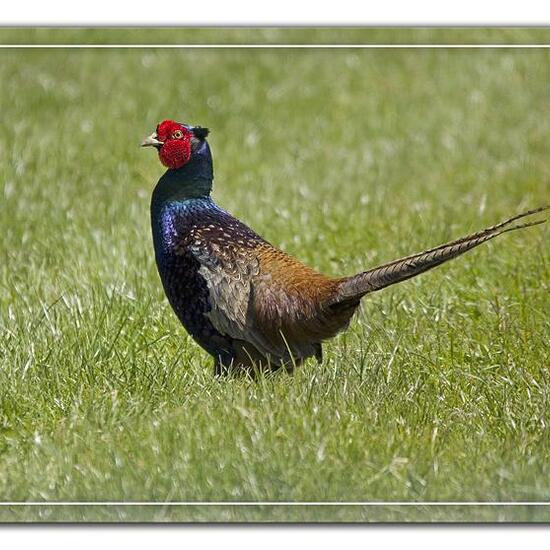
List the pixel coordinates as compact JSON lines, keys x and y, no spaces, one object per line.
{"x":152,"y":141}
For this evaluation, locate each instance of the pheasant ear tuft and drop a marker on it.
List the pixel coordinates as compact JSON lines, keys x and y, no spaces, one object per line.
{"x":200,"y":132}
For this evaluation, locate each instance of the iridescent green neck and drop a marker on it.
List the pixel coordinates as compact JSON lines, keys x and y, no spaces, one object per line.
{"x":173,"y":187}
{"x":192,"y":180}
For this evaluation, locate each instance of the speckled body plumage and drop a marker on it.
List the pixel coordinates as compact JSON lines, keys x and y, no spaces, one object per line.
{"x":247,"y":303}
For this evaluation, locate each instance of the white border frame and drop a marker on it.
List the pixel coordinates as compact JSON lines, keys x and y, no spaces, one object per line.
{"x":277,"y":503}
{"x":275,"y":46}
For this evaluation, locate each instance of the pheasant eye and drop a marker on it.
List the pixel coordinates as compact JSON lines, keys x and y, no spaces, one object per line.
{"x":178,"y":134}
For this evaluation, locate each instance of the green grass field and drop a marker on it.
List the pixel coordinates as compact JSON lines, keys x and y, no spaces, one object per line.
{"x":345,"y":158}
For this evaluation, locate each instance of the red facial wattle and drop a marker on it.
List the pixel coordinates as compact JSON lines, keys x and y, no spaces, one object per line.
{"x":175,"y":153}
{"x":176,"y":149}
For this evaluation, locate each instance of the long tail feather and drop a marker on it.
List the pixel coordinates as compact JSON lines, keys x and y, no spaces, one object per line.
{"x":353,"y":288}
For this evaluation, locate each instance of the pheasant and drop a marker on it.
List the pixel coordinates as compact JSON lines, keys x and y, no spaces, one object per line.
{"x":248,"y":304}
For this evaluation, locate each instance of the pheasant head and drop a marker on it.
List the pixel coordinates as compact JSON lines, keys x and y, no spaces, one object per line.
{"x":176,"y":143}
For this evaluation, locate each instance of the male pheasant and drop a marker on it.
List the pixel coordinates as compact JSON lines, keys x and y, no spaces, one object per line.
{"x":247,"y":303}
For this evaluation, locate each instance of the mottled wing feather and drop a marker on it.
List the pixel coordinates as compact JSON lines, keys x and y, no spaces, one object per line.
{"x":229,"y":273}
{"x":228,"y":283}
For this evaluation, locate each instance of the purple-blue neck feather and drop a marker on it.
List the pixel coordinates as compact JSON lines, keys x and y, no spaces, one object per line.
{"x":180,"y":195}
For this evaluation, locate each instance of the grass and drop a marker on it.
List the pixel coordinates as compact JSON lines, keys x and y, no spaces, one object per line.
{"x":345,"y":158}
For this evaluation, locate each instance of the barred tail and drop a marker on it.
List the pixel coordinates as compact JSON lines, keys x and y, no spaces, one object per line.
{"x":353,"y":288}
